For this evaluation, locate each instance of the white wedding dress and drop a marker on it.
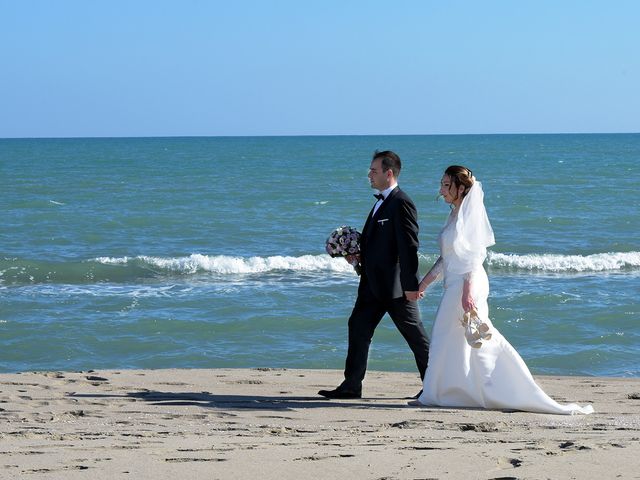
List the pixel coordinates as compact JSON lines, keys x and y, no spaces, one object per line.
{"x":493,"y":376}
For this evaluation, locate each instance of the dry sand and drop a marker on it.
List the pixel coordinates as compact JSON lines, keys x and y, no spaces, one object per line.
{"x":269,"y":423}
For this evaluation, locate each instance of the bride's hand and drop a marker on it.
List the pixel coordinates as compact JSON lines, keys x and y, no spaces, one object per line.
{"x":467,"y":300}
{"x":467,"y":303}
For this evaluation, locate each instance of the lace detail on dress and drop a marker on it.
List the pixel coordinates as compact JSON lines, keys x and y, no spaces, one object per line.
{"x":436,"y":270}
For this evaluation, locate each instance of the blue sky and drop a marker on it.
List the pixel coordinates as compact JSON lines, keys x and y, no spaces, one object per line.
{"x":160,"y":68}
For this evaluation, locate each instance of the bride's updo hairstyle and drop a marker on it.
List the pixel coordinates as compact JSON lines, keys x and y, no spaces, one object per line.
{"x":460,"y":176}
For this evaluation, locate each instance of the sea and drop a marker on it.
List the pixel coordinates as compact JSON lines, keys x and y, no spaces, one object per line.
{"x":208,"y":252}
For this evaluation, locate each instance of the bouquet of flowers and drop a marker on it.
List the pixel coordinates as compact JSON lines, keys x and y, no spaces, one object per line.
{"x":344,"y":241}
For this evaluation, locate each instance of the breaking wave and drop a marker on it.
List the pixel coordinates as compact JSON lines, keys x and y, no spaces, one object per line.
{"x":131,"y":269}
{"x":598,"y":262}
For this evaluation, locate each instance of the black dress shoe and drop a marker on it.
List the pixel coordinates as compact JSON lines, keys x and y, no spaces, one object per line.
{"x":340,"y":393}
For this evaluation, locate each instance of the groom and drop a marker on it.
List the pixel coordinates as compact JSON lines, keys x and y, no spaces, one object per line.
{"x":389,"y":278}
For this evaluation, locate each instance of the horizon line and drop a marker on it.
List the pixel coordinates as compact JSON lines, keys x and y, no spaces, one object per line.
{"x":106,"y":137}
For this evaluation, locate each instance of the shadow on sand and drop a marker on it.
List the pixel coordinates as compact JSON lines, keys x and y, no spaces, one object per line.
{"x":236,"y":402}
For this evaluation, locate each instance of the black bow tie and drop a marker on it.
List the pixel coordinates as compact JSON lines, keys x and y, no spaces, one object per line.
{"x":379,"y":196}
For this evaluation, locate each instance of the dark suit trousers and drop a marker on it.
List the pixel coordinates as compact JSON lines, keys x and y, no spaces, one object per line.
{"x":366,"y":315}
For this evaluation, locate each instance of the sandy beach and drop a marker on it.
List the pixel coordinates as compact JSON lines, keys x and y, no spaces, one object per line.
{"x":269,"y":423}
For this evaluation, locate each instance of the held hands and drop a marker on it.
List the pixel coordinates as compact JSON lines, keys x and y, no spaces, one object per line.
{"x":414,"y":296}
{"x":422,"y":287}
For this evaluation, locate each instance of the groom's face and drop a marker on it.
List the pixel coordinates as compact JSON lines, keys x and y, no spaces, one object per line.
{"x":378,"y":179}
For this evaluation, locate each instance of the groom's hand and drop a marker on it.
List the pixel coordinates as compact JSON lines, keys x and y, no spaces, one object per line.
{"x":353,"y":259}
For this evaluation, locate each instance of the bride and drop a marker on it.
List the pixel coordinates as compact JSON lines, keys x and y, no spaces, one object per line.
{"x":473,"y":365}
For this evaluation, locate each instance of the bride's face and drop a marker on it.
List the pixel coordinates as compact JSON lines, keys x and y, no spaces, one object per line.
{"x":448,"y":190}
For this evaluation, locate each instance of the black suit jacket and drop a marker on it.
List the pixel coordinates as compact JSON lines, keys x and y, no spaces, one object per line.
{"x":389,"y":248}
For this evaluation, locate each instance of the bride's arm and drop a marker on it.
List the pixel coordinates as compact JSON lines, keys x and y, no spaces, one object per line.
{"x":431,"y":276}
{"x":467,"y":300}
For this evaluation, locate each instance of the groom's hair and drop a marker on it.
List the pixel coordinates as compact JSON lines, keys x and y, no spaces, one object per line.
{"x":389,"y":160}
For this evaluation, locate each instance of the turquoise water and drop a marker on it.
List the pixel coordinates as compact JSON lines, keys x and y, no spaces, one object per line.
{"x":209,"y":252}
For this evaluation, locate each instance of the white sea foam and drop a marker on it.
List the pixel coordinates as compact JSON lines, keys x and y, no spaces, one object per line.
{"x":112,"y":260}
{"x":597,"y":262}
{"x":223,"y":264}
{"x":230,"y":265}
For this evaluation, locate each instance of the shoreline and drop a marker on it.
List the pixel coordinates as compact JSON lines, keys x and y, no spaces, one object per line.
{"x":270,"y":423}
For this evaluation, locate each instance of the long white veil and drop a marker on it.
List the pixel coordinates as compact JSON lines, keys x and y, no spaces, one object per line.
{"x":473,"y":232}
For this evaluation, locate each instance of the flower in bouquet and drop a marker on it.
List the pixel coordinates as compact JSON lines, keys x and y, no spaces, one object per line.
{"x":344,"y":241}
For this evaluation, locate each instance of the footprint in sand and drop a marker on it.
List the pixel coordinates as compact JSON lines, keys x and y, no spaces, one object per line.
{"x":183,"y":460}
{"x":569,"y":446}
{"x":97,"y":381}
{"x":246,"y":382}
{"x":481,"y":427}
{"x":509,"y":462}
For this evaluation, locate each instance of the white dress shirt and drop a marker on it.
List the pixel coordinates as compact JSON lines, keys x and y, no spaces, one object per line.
{"x":385,"y":193}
